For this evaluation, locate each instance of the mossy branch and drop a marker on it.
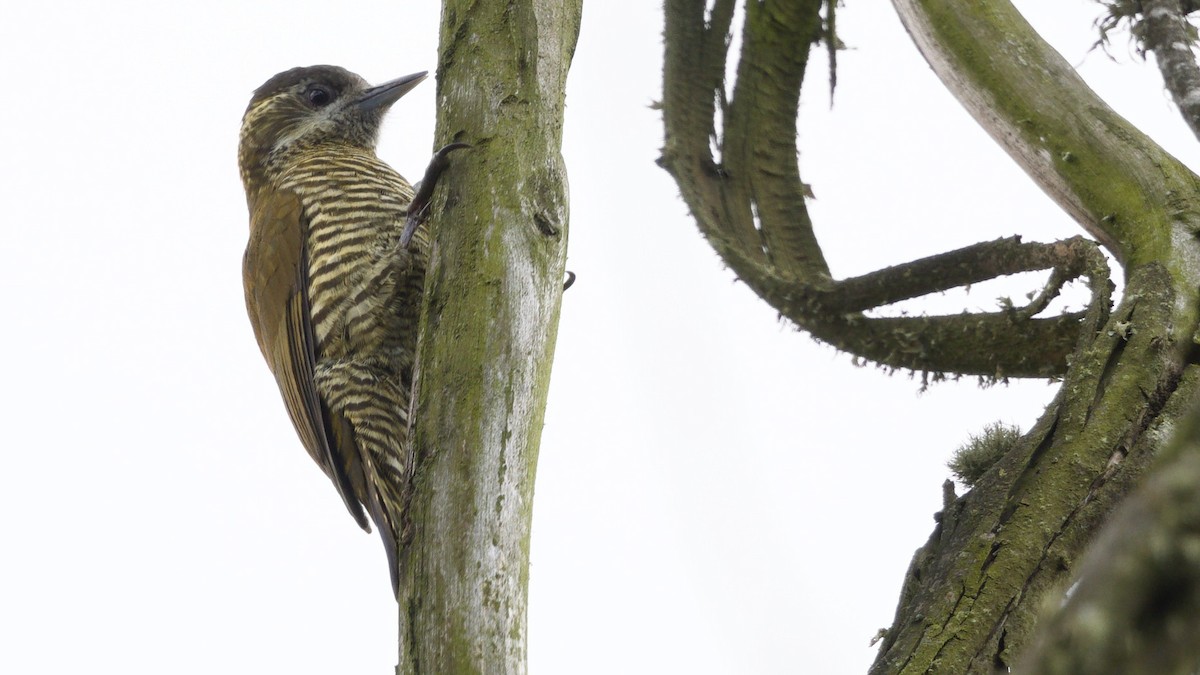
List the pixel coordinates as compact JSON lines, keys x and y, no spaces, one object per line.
{"x":488,"y":327}
{"x":1100,"y":169}
{"x":974,"y":590}
{"x":1135,"y":608}
{"x":750,"y":206}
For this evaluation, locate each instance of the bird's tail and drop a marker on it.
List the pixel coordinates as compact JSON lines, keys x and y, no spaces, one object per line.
{"x":385,"y":503}
{"x":371,"y":429}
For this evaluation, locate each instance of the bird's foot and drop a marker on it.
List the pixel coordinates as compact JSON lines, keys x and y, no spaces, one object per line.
{"x":419,"y":208}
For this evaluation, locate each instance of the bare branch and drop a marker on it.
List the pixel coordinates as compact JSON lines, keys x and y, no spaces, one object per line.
{"x":758,"y":147}
{"x":1071,"y":258}
{"x":1165,"y":31}
{"x":993,"y":345}
{"x":693,"y":75}
{"x":751,"y":209}
{"x":1099,"y":168}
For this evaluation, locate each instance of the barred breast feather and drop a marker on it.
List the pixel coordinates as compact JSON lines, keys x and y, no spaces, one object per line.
{"x":363,"y":293}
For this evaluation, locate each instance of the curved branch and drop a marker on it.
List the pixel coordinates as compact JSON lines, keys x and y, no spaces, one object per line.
{"x":974,"y":592}
{"x":994,"y":345}
{"x":751,"y":209}
{"x":1016,"y":347}
{"x":693,"y":75}
{"x":1100,"y":169}
{"x":758,"y":147}
{"x":752,"y":203}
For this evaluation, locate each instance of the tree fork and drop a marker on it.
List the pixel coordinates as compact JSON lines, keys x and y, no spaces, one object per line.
{"x":976,"y":590}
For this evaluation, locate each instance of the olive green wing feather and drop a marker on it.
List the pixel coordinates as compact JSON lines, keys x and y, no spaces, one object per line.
{"x":275,"y":270}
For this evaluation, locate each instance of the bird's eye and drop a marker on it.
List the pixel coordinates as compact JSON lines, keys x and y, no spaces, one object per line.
{"x":318,"y":96}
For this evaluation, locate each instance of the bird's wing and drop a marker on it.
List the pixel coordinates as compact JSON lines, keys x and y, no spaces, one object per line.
{"x":275,"y":271}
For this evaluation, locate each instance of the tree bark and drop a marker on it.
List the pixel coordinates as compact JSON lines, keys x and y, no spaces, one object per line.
{"x":1166,"y":32}
{"x":488,"y":325}
{"x":1136,"y":607}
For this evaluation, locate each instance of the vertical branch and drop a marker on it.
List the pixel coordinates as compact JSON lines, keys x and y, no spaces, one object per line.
{"x":1166,"y":32}
{"x":488,"y":326}
{"x":759,"y":140}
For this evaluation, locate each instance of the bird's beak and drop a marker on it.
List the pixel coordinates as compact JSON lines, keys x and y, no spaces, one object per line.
{"x":389,"y":92}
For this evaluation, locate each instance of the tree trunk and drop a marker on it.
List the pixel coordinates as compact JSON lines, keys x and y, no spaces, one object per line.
{"x":488,"y":327}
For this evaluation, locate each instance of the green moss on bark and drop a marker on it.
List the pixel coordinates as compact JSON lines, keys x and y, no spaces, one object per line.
{"x":488,"y":330}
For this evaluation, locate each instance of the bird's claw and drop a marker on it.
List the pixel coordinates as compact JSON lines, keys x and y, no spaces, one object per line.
{"x":419,"y":208}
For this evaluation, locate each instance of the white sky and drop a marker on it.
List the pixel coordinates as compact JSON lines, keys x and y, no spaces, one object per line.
{"x":716,"y":494}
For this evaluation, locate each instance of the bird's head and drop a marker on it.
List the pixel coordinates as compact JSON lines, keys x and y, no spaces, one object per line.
{"x":305,"y":107}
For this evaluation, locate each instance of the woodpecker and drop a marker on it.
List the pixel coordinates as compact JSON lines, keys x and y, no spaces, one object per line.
{"x":333,"y":273}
